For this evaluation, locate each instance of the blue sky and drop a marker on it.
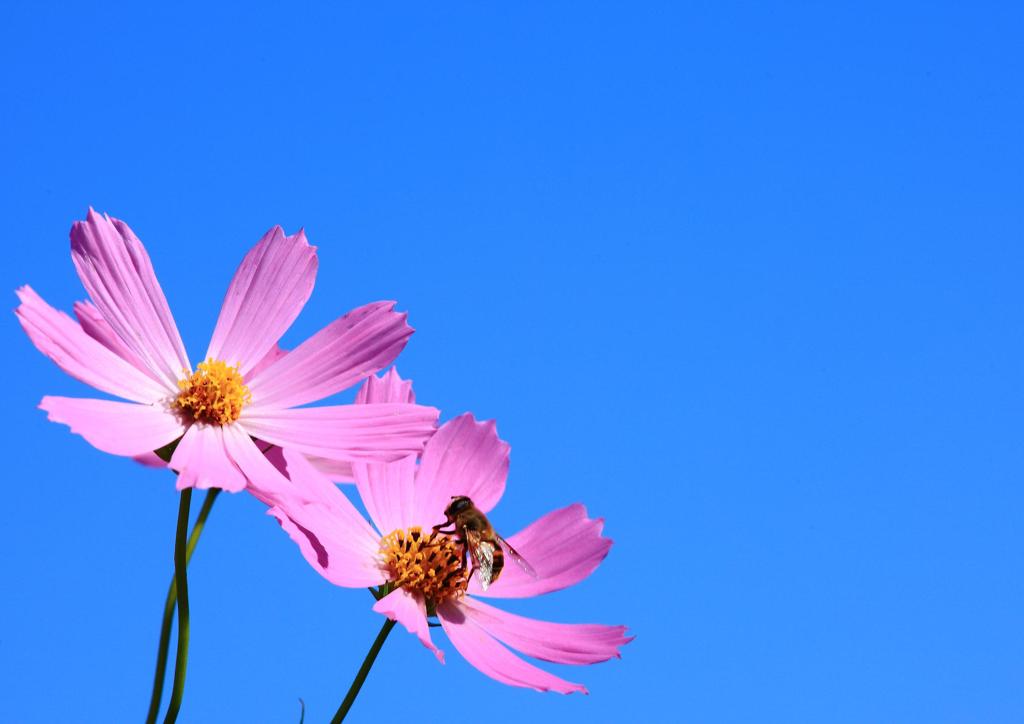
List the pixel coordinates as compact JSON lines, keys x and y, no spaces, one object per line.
{"x":745,"y":280}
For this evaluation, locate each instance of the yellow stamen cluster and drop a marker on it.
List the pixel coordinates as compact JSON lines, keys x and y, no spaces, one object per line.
{"x":430,"y":565}
{"x":214,"y":393}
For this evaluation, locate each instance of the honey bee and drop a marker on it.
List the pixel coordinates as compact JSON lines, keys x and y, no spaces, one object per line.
{"x":477,"y":536}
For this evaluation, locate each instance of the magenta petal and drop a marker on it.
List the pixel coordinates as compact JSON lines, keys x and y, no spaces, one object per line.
{"x":340,"y":471}
{"x":565,"y":546}
{"x":94,"y":325}
{"x":387,"y":490}
{"x":292,"y":478}
{"x":387,"y":388}
{"x":411,"y":612}
{"x":276,"y":352}
{"x":464,"y":457}
{"x":560,"y":643}
{"x":118,"y":428}
{"x":335,"y":539}
{"x":266,"y":294}
{"x":368,"y":433}
{"x":115,"y":269}
{"x":333,"y":536}
{"x":270,"y":478}
{"x":202,"y":461}
{"x":150,"y":460}
{"x":492,"y":658}
{"x":349,"y":349}
{"x":57,"y":336}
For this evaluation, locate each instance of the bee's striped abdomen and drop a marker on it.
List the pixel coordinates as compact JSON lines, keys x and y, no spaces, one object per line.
{"x":498,"y":563}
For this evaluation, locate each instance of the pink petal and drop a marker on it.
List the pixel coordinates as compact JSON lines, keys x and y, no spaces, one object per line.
{"x":335,"y":358}
{"x":266,"y":294}
{"x":340,"y":471}
{"x":94,"y":325}
{"x":202,"y":461}
{"x":411,"y":612}
{"x":560,"y":643}
{"x":57,"y":336}
{"x":564,"y":547}
{"x":368,"y":433}
{"x":294,"y":479}
{"x":276,"y":352}
{"x":116,"y":271}
{"x":493,"y":659}
{"x":389,"y":388}
{"x":150,"y":460}
{"x":118,"y":428}
{"x":387,"y":490}
{"x":275,"y":476}
{"x":335,"y":539}
{"x":464,"y":457}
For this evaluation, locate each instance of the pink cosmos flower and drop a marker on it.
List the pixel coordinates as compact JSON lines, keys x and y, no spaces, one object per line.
{"x":127,"y":344}
{"x":405,"y":500}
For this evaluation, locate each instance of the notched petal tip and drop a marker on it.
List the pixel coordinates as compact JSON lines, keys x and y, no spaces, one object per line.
{"x":269,"y":288}
{"x":300,"y":236}
{"x":623,"y":640}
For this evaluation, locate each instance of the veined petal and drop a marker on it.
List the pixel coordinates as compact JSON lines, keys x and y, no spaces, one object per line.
{"x":118,"y":428}
{"x":349,"y":349}
{"x":265,"y":480}
{"x":560,"y":643}
{"x":492,"y":658}
{"x":387,"y":388}
{"x":116,"y":271}
{"x":335,"y":539}
{"x":340,"y":471}
{"x":368,"y":433}
{"x":94,"y":325}
{"x":266,"y":294}
{"x":564,"y":547}
{"x":292,"y":478}
{"x":387,"y":490}
{"x":57,"y":336}
{"x":411,"y":612}
{"x":276,"y":352}
{"x":464,"y":457}
{"x":202,"y":461}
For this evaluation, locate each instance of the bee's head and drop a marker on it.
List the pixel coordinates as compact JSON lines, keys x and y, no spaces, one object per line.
{"x":459,"y":503}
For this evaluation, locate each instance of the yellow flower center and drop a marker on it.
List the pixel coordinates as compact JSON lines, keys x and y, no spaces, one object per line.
{"x":430,"y":565}
{"x":214,"y":393}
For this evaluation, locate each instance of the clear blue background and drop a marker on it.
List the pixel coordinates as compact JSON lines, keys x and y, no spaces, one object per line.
{"x":744,"y":280}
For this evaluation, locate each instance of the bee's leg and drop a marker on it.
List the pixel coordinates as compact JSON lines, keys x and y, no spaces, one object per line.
{"x":437,"y":529}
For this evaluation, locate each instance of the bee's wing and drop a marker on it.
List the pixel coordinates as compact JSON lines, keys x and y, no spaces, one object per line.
{"x":520,"y":561}
{"x":482,"y":554}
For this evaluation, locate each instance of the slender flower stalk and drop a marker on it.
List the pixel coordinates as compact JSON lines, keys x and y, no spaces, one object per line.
{"x":357,"y":683}
{"x":169,"y":606}
{"x":181,"y":583}
{"x":207,"y":422}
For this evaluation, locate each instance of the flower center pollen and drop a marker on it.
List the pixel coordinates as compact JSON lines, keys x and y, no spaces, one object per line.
{"x":430,"y":565}
{"x":214,"y":393}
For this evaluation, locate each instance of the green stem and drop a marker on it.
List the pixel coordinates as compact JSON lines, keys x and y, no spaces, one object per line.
{"x":357,"y":683}
{"x":181,"y":581}
{"x":170,"y":604}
